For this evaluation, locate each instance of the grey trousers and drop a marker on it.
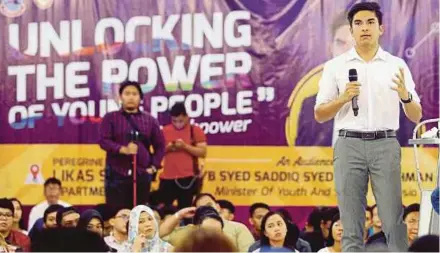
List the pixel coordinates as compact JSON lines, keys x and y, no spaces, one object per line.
{"x":355,"y":161}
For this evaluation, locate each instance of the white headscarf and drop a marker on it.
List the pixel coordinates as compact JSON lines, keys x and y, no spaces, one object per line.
{"x":154,"y":244}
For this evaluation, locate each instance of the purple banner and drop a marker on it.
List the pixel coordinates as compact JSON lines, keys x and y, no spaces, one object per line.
{"x":246,"y":69}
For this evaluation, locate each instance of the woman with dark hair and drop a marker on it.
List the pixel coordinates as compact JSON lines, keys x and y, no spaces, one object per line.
{"x":92,"y":220}
{"x":274,"y":231}
{"x":335,"y":236}
{"x":18,"y":216}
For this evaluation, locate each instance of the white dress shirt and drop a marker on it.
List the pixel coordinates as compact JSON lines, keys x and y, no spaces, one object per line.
{"x":378,"y":103}
{"x":38,"y":212}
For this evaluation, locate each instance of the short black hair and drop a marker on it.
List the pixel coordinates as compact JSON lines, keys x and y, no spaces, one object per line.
{"x":62,"y":211}
{"x":205,"y":212}
{"x":411,"y":209}
{"x":131,"y":83}
{"x":255,"y":206}
{"x":365,"y":6}
{"x":52,"y":180}
{"x":7,"y":204}
{"x":201,"y":195}
{"x":339,"y":21}
{"x":178,"y":109}
{"x":51,"y":209}
{"x":226,"y":205}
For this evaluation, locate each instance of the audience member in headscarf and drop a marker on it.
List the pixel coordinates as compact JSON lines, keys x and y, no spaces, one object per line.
{"x":92,"y":221}
{"x":18,"y":216}
{"x":12,"y":237}
{"x":227,"y":209}
{"x":143,"y":232}
{"x":67,"y":217}
{"x":119,"y":234}
{"x":335,"y":236}
{"x":205,"y":240}
{"x":411,"y":217}
{"x":207,"y":217}
{"x":63,"y":239}
{"x":427,"y":243}
{"x":274,"y":230}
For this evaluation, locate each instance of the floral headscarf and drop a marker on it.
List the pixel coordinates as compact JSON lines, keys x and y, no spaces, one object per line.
{"x":154,"y":244}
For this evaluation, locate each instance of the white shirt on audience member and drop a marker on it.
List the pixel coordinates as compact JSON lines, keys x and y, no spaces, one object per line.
{"x":324,"y":250}
{"x":378,"y":103}
{"x":38,"y":212}
{"x":113,"y":243}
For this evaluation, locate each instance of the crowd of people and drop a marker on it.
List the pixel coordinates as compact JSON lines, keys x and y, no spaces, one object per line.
{"x":208,"y":225}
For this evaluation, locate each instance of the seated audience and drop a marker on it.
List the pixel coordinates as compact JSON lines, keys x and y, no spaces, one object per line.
{"x":119,"y":234}
{"x":143,"y":232}
{"x":411,"y":217}
{"x":13,"y":238}
{"x":335,"y":237}
{"x":67,"y":217}
{"x":256,"y":213}
{"x":91,"y":220}
{"x":18,"y":216}
{"x":274,"y":231}
{"x":427,"y":243}
{"x":207,"y":217}
{"x":52,"y":193}
{"x":63,"y":239}
{"x":237,"y":232}
{"x":205,"y":240}
{"x":227,"y":209}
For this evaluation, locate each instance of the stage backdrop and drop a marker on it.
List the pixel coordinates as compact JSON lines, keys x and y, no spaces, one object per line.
{"x":246,"y":69}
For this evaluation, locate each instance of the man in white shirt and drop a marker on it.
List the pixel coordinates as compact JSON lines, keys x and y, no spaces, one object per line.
{"x":119,"y":234}
{"x":52,"y":193}
{"x":367,"y":146}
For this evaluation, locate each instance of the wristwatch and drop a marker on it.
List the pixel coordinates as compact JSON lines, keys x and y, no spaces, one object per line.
{"x":409,"y":100}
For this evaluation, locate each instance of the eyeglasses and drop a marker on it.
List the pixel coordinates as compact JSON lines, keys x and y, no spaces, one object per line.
{"x":123,"y":216}
{"x":6,"y":215}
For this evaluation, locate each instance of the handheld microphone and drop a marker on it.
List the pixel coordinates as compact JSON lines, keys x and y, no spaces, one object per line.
{"x":353,"y":77}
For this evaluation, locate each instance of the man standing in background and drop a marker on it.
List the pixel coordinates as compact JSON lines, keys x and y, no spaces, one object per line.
{"x":185,"y":144}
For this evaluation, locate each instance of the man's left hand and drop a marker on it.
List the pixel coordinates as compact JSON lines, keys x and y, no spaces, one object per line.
{"x":400,"y":88}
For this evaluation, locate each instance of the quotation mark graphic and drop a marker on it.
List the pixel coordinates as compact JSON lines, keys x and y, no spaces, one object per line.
{"x":265,"y":94}
{"x":411,"y":51}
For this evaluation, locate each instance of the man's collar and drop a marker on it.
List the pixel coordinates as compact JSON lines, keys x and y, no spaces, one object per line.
{"x":353,"y":54}
{"x":130,"y":113}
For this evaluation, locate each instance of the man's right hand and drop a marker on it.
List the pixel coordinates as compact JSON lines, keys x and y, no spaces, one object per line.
{"x":352,"y":89}
{"x":130,"y":149}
